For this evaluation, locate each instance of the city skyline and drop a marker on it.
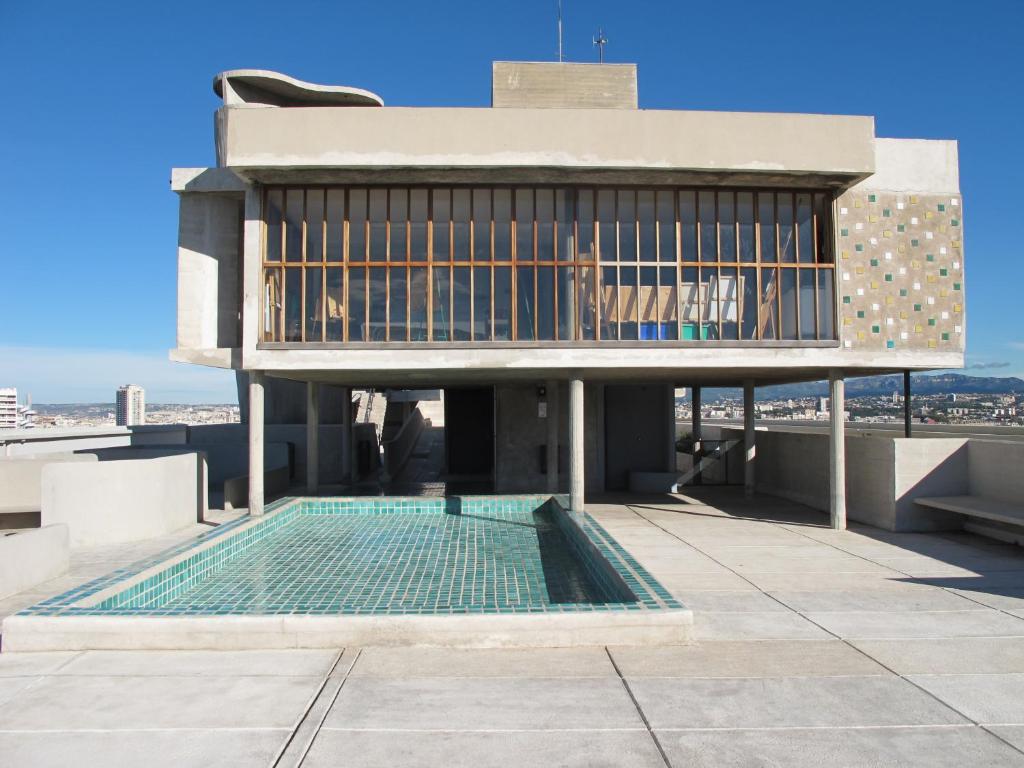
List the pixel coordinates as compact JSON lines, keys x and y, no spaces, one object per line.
{"x":128,"y":133}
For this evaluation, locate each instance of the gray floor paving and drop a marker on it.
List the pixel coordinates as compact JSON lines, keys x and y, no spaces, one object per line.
{"x":812,"y":647}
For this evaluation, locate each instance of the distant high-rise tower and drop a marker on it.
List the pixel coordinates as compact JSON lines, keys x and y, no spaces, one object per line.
{"x":131,"y":405}
{"x":8,"y":408}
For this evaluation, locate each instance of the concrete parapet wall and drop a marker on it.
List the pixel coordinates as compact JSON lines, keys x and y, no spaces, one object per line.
{"x":994,"y":470}
{"x":34,"y":442}
{"x":117,"y":501}
{"x":21,"y":480}
{"x":31,"y":557}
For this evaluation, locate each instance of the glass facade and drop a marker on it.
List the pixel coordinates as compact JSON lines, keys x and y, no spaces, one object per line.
{"x":543,"y":264}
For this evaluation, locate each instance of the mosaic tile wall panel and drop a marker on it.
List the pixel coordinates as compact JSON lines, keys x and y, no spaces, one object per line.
{"x":901,"y":274}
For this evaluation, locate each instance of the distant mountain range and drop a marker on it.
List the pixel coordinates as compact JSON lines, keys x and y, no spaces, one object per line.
{"x":874,"y":386}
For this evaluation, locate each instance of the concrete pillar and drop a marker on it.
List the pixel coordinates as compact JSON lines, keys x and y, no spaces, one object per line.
{"x":670,"y":435}
{"x":312,"y":437}
{"x":576,"y":445}
{"x":552,"y":452}
{"x":698,"y":451}
{"x":749,"y":439}
{"x":256,"y":442}
{"x":837,"y":450}
{"x":907,"y":411}
{"x":346,"y":435}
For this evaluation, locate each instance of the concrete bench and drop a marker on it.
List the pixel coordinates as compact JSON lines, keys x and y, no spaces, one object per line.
{"x":1008,"y":515}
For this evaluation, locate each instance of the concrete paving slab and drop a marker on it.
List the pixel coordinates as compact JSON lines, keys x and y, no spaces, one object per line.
{"x":914,"y":598}
{"x":1012,"y":733}
{"x":277,"y":663}
{"x":948,"y":656}
{"x":826,"y":582}
{"x":746,"y":658}
{"x":370,"y":749}
{"x":894,"y":624}
{"x":763,"y":625}
{"x":12,"y":686}
{"x":467,"y":704}
{"x":153,"y":749}
{"x":839,"y":748}
{"x":132,"y":703}
{"x":787,"y":703}
{"x":738,"y":601}
{"x":996,"y":699}
{"x":705,"y":582}
{"x":463,"y":662}
{"x":1003,"y":599}
{"x":20,"y":664}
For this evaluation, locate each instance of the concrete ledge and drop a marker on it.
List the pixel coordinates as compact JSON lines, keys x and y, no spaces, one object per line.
{"x":52,"y":633}
{"x":977,"y":506}
{"x":31,"y":557}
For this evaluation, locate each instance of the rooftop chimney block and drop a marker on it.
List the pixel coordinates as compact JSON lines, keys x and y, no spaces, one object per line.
{"x":554,"y":85}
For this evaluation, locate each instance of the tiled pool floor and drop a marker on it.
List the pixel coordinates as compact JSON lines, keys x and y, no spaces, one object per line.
{"x":348,"y":563}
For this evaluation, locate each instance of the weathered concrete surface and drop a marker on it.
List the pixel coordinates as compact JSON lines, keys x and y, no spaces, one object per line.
{"x":31,"y":557}
{"x":744,"y":701}
{"x":561,"y":85}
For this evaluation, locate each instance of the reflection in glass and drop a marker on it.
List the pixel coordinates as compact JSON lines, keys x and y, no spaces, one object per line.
{"x":666,"y":226}
{"x":628,"y":304}
{"x":768,"y":311}
{"x":396,"y":305}
{"x":314,"y":225}
{"x":545,"y":200}
{"x":748,"y":302}
{"x":481,"y":303}
{"x":272,"y":305}
{"x":668,"y":300}
{"x":627,"y":225}
{"x":609,"y":303}
{"x":689,"y":298}
{"x":293,"y":305}
{"x":709,"y":303}
{"x":357,"y":304}
{"x":726,"y":227}
{"x":502,"y":303}
{"x":314,"y":305}
{"x":708,"y":233}
{"x":460,"y":224}
{"x":826,"y":312}
{"x":399,"y":213}
{"x":293,"y":225}
{"x":585,"y":225}
{"x":418,"y":304}
{"x":787,"y":247}
{"x":524,"y":225}
{"x":805,"y":229}
{"x":481,"y":224}
{"x":647,"y":227}
{"x":545,"y":303}
{"x":503,"y":225}
{"x":585,"y":299}
{"x":788,"y":303}
{"x":462,"y":296}
{"x":441,"y":296}
{"x":648,"y":304}
{"x":823,"y":240}
{"x":442,"y":213}
{"x":525,"y":318}
{"x":335,"y":225}
{"x":564,"y":214}
{"x":418,"y":225}
{"x":766,"y":221}
{"x":808,"y":312}
{"x":378,"y":225}
{"x":335,"y":304}
{"x":728,"y":286}
{"x":272,"y":216}
{"x":377,"y":330}
{"x":688,"y":224}
{"x":745,"y":217}
{"x":606,"y":227}
{"x":357,"y":225}
{"x":566,"y":280}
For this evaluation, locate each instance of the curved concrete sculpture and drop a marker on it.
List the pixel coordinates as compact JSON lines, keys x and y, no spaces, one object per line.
{"x":261,"y":87}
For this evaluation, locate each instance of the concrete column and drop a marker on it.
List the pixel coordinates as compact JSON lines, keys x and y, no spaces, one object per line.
{"x":312,"y":437}
{"x":670,"y":436}
{"x":698,"y":451}
{"x":256,"y":442}
{"x":346,"y":435}
{"x":576,"y":445}
{"x":907,"y":411}
{"x":749,"y":439}
{"x":837,"y":450}
{"x":552,"y":466}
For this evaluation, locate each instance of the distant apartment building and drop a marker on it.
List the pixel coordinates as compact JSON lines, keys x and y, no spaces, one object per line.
{"x":12,"y":415}
{"x":131,"y":405}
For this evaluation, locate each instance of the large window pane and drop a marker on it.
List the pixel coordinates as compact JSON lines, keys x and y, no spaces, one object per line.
{"x":418,"y":225}
{"x":397,"y":305}
{"x":378,"y":304}
{"x":748,"y":302}
{"x":335,"y":225}
{"x":826,"y":312}
{"x":399,"y":214}
{"x":502,"y":225}
{"x":545,"y":202}
{"x":766,"y":222}
{"x":442,"y":213}
{"x":666,"y":226}
{"x":788,"y":304}
{"x":273,"y":217}
{"x":524,"y":225}
{"x":668,"y":300}
{"x":564,"y":220}
{"x":708,"y":229}
{"x":609,"y":303}
{"x":823,"y":230}
{"x":293,"y":305}
{"x":566,"y":279}
{"x":315,"y":225}
{"x":502,"y":303}
{"x":545,"y":303}
{"x":606,"y":228}
{"x":585,"y":298}
{"x":272,"y":305}
{"x":525,"y":304}
{"x":627,"y":225}
{"x":314,"y":305}
{"x":745,"y":218}
{"x":293,"y":224}
{"x":441,"y":299}
{"x":768,"y":309}
{"x":481,"y":225}
{"x":418,"y":304}
{"x":726,"y":226}
{"x":805,"y":229}
{"x":709,"y":299}
{"x":378,"y":225}
{"x":647,"y":227}
{"x":462,"y":291}
{"x":481,"y":303}
{"x":808,"y":311}
{"x":784,"y":211}
{"x":585,"y":225}
{"x":628,"y":304}
{"x":357,"y":225}
{"x":728,"y":286}
{"x":357,"y":304}
{"x":689,"y":299}
{"x":648,"y":304}
{"x":461,"y":208}
{"x":335,"y":304}
{"x":688,"y":224}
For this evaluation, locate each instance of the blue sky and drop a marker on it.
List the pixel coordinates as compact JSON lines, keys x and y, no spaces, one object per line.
{"x":102,"y":99}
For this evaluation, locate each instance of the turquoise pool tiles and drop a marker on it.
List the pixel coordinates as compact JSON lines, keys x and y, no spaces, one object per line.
{"x":487,"y":554}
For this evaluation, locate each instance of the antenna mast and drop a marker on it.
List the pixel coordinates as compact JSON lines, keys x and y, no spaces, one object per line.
{"x":600,"y":41}
{"x":560,"y":59}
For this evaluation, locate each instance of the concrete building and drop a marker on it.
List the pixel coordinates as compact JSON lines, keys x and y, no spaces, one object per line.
{"x":131,"y":406}
{"x":8,"y":408}
{"x":560,"y":262}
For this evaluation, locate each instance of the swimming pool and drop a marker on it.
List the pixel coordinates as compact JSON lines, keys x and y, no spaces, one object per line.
{"x":381,"y":557}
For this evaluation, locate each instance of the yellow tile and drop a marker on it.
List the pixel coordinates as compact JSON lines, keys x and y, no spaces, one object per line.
{"x":957,"y":308}
{"x":860,"y":335}
{"x":903,"y":315}
{"x":887,"y":233}
{"x":917,"y":329}
{"x":932,"y":344}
